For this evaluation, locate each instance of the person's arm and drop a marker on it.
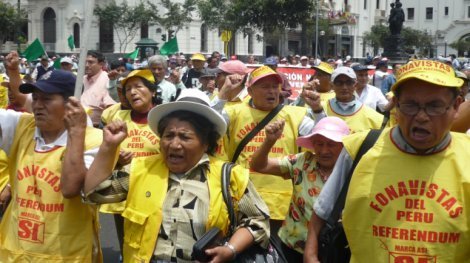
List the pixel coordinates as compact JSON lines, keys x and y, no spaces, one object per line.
{"x":73,"y":166}
{"x":253,"y":226}
{"x":383,"y":104}
{"x":12,"y":62}
{"x":233,"y":85}
{"x":311,"y":246}
{"x":462,"y":120}
{"x":312,"y":99}
{"x":260,"y":162}
{"x":105,"y":161}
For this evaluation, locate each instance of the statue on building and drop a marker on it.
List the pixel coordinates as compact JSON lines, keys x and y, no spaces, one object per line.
{"x":396,"y":19}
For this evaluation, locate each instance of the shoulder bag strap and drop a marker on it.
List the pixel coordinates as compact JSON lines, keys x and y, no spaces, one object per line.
{"x":225,"y":184}
{"x":255,"y":131}
{"x":369,"y":141}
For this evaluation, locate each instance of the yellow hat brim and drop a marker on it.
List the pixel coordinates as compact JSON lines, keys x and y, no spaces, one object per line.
{"x":145,"y":73}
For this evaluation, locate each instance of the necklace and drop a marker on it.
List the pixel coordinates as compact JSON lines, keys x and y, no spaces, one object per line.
{"x":322,"y":173}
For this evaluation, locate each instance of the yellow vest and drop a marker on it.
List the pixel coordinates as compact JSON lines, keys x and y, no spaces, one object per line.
{"x":3,"y":97}
{"x":274,"y":190}
{"x":147,"y":192}
{"x":405,"y":207}
{"x":3,"y":170}
{"x":326,"y":96}
{"x":363,"y":119}
{"x":40,"y":225}
{"x":141,"y":141}
{"x":108,"y":114}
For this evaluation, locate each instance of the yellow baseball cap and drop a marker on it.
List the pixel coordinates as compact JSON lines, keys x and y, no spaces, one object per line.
{"x":144,"y":73}
{"x":430,"y":71}
{"x":261,"y":73}
{"x":198,"y":56}
{"x":325,"y":67}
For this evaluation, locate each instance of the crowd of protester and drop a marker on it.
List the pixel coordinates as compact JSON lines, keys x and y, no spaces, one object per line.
{"x":149,"y":142}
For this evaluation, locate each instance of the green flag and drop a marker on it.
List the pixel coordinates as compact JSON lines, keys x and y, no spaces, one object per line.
{"x":170,"y":47}
{"x":57,"y":62}
{"x":34,"y":50}
{"x":71,"y":42}
{"x":133,"y":54}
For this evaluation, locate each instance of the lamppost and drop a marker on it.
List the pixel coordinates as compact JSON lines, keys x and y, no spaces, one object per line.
{"x":322,"y":47}
{"x":18,"y":33}
{"x":445,"y":48}
{"x":316,"y":29}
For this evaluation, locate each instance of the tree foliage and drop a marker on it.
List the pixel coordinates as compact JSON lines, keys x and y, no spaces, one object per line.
{"x":376,"y":36}
{"x":461,"y":45}
{"x":127,"y":20}
{"x":413,"y":39}
{"x":10,"y":20}
{"x":265,"y":15}
{"x":177,"y":15}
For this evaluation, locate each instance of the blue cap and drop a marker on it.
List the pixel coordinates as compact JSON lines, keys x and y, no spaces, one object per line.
{"x":359,"y":67}
{"x":271,"y":61}
{"x":55,"y":81}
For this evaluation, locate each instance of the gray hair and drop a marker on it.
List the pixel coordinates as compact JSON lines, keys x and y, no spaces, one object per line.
{"x":157,"y":59}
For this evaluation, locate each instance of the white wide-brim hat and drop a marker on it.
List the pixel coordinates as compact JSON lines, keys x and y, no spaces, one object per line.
{"x":192,"y":100}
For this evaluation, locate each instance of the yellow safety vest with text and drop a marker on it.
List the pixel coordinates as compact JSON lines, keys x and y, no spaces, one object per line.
{"x":143,"y":214}
{"x":141,"y":141}
{"x":404,"y":207}
{"x":363,"y":119}
{"x":40,"y":225}
{"x":274,"y":190}
{"x":108,"y":114}
{"x":3,"y":170}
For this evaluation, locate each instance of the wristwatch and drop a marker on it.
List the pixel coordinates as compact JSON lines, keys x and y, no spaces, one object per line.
{"x":232,"y":248}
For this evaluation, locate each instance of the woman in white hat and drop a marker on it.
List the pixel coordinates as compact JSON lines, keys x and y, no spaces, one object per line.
{"x":175,"y":197}
{"x":308,"y":170}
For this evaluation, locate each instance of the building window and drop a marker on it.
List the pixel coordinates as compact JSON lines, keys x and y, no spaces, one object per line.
{"x":76,"y":35}
{"x":411,"y":13}
{"x":365,"y":4}
{"x":428,"y":13}
{"x":377,"y":4}
{"x":144,"y":30}
{"x":106,"y":37}
{"x":203,"y":38}
{"x":446,"y":11}
{"x":250,"y":43}
{"x":49,"y":26}
{"x":468,"y":12}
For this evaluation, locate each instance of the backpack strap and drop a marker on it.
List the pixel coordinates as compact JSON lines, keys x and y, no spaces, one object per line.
{"x":369,"y":141}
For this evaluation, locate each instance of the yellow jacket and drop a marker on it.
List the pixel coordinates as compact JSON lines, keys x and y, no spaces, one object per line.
{"x":147,"y":192}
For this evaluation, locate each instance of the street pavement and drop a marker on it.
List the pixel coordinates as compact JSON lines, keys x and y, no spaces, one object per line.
{"x":109,"y":242}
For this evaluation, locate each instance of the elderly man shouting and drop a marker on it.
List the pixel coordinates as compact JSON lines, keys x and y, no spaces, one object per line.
{"x":409,"y":194}
{"x":46,"y":221}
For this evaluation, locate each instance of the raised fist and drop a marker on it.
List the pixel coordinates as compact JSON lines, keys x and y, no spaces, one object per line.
{"x":274,"y":130}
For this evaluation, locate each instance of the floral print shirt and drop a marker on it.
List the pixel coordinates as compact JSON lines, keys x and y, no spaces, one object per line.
{"x":307,"y":185}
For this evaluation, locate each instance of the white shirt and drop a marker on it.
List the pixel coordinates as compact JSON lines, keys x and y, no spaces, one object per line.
{"x":378,"y":78}
{"x":372,"y":96}
{"x":8,"y":126}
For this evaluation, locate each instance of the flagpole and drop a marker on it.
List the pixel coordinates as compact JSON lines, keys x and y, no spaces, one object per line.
{"x":89,"y":7}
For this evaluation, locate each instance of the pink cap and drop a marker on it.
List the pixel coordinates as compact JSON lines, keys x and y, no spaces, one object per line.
{"x":332,"y":128}
{"x":233,"y":57}
{"x":234,"y":67}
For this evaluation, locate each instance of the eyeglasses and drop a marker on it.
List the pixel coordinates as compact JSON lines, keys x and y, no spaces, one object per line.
{"x":349,"y":82}
{"x":412,"y":109}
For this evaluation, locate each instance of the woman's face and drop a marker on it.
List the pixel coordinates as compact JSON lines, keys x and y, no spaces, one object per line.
{"x":138,"y":95}
{"x":326,"y":151}
{"x":180,"y":146}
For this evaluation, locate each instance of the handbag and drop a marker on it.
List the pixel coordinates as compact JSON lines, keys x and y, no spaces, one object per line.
{"x":210,"y":239}
{"x":333,"y":245}
{"x":255,"y":253}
